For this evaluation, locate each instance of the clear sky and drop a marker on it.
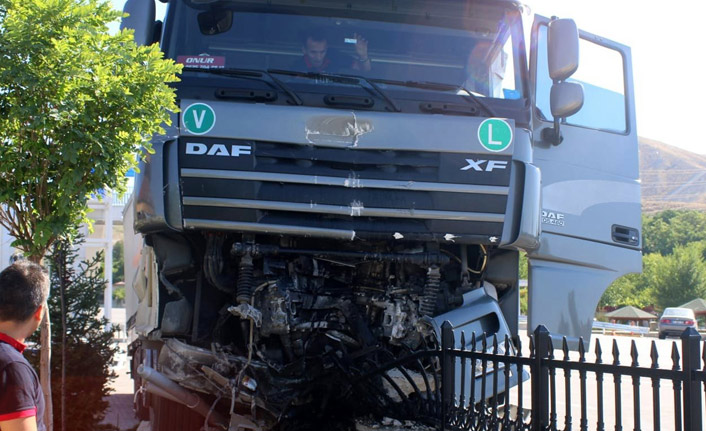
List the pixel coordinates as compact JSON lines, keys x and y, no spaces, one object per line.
{"x":667,"y":42}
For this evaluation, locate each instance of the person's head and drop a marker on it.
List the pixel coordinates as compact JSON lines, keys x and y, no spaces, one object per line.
{"x":478,"y":54}
{"x":315,"y":47}
{"x":24,"y":288}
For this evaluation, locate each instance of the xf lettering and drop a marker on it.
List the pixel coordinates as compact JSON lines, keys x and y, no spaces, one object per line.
{"x":490,"y":165}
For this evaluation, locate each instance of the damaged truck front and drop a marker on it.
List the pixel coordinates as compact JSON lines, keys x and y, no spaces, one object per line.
{"x":344,"y":177}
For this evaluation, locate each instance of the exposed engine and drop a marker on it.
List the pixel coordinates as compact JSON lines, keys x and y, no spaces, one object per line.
{"x":296,"y":322}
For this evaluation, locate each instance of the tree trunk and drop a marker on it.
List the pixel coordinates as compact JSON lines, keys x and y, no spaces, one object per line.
{"x":62,"y":295}
{"x":45,"y":360}
{"x":45,"y":370}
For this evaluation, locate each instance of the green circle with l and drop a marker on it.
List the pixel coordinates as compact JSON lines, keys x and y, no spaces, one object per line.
{"x":199,"y":118}
{"x":495,"y":134}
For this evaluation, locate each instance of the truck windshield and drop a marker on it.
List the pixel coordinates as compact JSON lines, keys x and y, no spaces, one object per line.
{"x":473,"y":46}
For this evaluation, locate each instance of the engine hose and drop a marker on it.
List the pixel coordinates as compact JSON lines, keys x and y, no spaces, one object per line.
{"x":246,"y":282}
{"x":213,"y":266}
{"x":427,"y":305}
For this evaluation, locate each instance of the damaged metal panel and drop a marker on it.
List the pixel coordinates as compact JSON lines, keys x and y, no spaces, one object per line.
{"x":336,"y":129}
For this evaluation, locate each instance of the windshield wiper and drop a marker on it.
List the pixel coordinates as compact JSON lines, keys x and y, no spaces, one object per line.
{"x":441,"y":86}
{"x":256,"y":74}
{"x":350,"y":79}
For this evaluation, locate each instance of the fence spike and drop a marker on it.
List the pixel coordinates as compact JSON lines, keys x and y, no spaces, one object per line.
{"x":533,"y":351}
{"x":599,"y":352}
{"x":675,"y":356}
{"x":463,"y":341}
{"x":600,"y":424}
{"x":565,"y":348}
{"x":507,"y":345}
{"x":654,"y":355}
{"x":550,"y":347}
{"x":616,"y":353}
{"x":633,"y":353}
{"x":495,"y":344}
{"x":473,"y":341}
{"x":582,"y":350}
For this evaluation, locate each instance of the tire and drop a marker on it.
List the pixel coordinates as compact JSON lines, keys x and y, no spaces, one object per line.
{"x":166,"y":415}
{"x":662,"y":335}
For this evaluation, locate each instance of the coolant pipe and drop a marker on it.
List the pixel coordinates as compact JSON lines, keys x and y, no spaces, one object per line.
{"x":181,"y":395}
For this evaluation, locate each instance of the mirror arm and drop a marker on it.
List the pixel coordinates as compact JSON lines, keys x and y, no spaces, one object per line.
{"x":552,"y":135}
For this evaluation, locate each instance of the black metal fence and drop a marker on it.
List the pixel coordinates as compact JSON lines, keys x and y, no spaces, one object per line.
{"x":565,"y":390}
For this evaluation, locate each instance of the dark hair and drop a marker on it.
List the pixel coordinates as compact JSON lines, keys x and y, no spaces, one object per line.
{"x":315,"y":34}
{"x":24,"y":286}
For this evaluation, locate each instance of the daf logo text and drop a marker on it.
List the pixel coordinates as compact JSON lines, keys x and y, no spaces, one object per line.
{"x":199,"y":149}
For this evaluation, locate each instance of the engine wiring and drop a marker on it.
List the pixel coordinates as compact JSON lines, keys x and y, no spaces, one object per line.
{"x":473,"y":271}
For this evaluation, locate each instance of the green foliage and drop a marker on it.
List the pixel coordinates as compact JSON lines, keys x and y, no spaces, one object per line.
{"x":118,"y":262}
{"x":627,"y":290}
{"x":524,"y":265}
{"x":89,"y":348}
{"x":77,"y":105}
{"x":674,"y":263}
{"x":664,"y":231}
{"x":118,"y":296}
{"x":681,"y":276}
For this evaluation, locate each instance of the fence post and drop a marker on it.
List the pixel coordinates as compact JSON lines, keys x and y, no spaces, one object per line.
{"x":448,"y":371}
{"x":691,"y":362}
{"x":540,"y":379}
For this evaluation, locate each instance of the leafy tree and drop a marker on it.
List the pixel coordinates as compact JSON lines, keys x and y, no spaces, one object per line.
{"x":77,"y":105}
{"x":634,"y":289}
{"x":681,"y":276}
{"x":118,"y":262}
{"x":627,"y":290}
{"x":81,"y":371}
{"x":118,"y":296}
{"x":668,"y":229}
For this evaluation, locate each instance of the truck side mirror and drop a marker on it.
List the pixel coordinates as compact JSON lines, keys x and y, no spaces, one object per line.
{"x":141,"y":19}
{"x":563,"y":49}
{"x":566,"y":98}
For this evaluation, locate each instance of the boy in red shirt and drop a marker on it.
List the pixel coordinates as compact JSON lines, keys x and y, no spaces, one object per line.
{"x":24,"y":288}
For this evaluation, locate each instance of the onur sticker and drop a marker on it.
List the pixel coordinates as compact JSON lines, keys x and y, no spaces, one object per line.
{"x":199,"y":118}
{"x":202,"y":61}
{"x":495,"y":134}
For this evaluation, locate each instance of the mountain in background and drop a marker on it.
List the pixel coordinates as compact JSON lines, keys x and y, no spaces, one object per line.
{"x":672,"y":178}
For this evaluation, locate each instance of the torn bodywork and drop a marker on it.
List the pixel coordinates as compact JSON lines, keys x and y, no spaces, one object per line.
{"x":307,"y":334}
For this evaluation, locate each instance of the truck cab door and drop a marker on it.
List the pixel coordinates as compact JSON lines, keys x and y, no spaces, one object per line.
{"x":591,"y":213}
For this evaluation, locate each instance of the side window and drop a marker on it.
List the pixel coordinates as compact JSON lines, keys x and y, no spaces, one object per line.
{"x":502,"y":74}
{"x":601,"y":73}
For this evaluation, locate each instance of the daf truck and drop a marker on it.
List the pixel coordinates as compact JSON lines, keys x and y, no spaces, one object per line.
{"x":343,"y":177}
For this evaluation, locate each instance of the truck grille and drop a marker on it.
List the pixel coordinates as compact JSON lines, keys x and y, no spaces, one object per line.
{"x":339,"y":192}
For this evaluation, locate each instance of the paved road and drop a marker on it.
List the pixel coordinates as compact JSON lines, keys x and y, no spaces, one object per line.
{"x":120,"y":411}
